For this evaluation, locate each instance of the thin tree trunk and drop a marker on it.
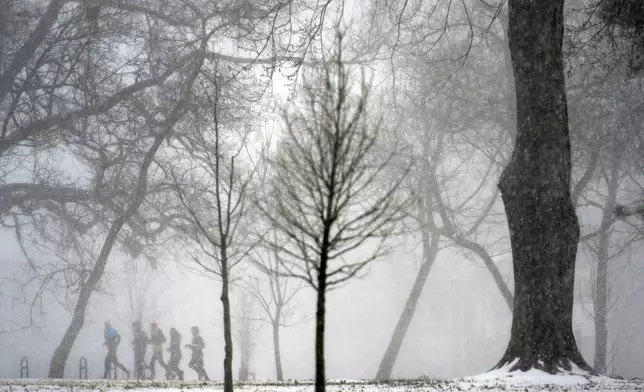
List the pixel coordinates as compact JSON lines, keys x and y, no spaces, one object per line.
{"x":430,"y":249}
{"x":276,"y":349}
{"x":600,"y":300}
{"x":452,"y":233}
{"x":489,"y":264}
{"x":228,"y":340}
{"x":601,"y":305}
{"x":61,"y":354}
{"x":244,"y":354}
{"x":535,"y":188}
{"x":243,"y":369}
{"x":320,"y":376}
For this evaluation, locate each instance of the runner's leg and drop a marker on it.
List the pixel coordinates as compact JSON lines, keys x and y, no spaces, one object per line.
{"x":107,"y":363}
{"x":152,"y":361}
{"x":121,"y":366}
{"x":193,"y":364}
{"x":202,"y":372}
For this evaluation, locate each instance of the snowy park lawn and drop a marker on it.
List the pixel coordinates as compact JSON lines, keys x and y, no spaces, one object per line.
{"x":531,"y":381}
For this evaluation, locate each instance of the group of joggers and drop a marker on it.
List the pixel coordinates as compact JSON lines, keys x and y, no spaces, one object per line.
{"x":156,"y":339}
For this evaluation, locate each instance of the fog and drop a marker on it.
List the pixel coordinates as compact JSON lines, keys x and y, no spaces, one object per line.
{"x":460,"y":328}
{"x":449,"y":108}
{"x":361,"y":318}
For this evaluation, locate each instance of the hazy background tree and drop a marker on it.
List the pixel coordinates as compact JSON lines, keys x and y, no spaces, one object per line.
{"x":624,"y":26}
{"x":460,"y":137}
{"x":447,"y":214}
{"x":246,"y":326}
{"x":605,"y":102}
{"x":615,"y":182}
{"x":275,"y":292}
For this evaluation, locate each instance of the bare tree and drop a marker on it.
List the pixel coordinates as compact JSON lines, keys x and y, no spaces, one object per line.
{"x":325,"y":200}
{"x":213,"y":177}
{"x":445,"y":216}
{"x":57,"y":90}
{"x":64,"y":76}
{"x":452,"y":134}
{"x":604,"y":112}
{"x":165,"y":129}
{"x":600,"y":286}
{"x":246,"y":331}
{"x":613,"y":237}
{"x":275,"y":300}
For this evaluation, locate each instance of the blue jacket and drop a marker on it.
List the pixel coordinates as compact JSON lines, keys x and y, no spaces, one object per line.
{"x":112,"y":338}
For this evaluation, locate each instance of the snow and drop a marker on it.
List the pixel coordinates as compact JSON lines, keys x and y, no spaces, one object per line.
{"x":497,"y":381}
{"x":539,"y":377}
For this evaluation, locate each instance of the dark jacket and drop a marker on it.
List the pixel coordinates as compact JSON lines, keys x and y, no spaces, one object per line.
{"x":140,"y":342}
{"x":197,"y":345}
{"x":175,"y":345}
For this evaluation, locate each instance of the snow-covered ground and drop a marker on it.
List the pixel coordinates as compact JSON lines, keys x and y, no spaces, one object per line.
{"x":574,"y":376}
{"x":531,"y":381}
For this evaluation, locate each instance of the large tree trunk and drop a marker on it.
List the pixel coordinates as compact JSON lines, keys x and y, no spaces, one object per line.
{"x":228,"y":337}
{"x":61,"y":354}
{"x":430,"y":248}
{"x":535,"y":188}
{"x":600,"y":300}
{"x":276,"y":348}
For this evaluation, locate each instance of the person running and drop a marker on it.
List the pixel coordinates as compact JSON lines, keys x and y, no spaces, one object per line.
{"x":157,"y":338}
{"x":196,"y":360}
{"x":175,"y":356}
{"x":140,"y":344}
{"x":112,"y":341}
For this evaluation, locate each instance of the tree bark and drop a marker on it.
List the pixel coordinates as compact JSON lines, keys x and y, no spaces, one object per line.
{"x":320,"y":376}
{"x":430,"y":249}
{"x":276,"y":348}
{"x":535,"y":188}
{"x":228,"y":339}
{"x":600,"y":300}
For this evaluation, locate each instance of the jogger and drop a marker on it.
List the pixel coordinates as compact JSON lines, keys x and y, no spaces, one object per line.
{"x":157,"y":338}
{"x":196,"y":360}
{"x":112,"y":340}
{"x":140,"y":343}
{"x":175,"y":355}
